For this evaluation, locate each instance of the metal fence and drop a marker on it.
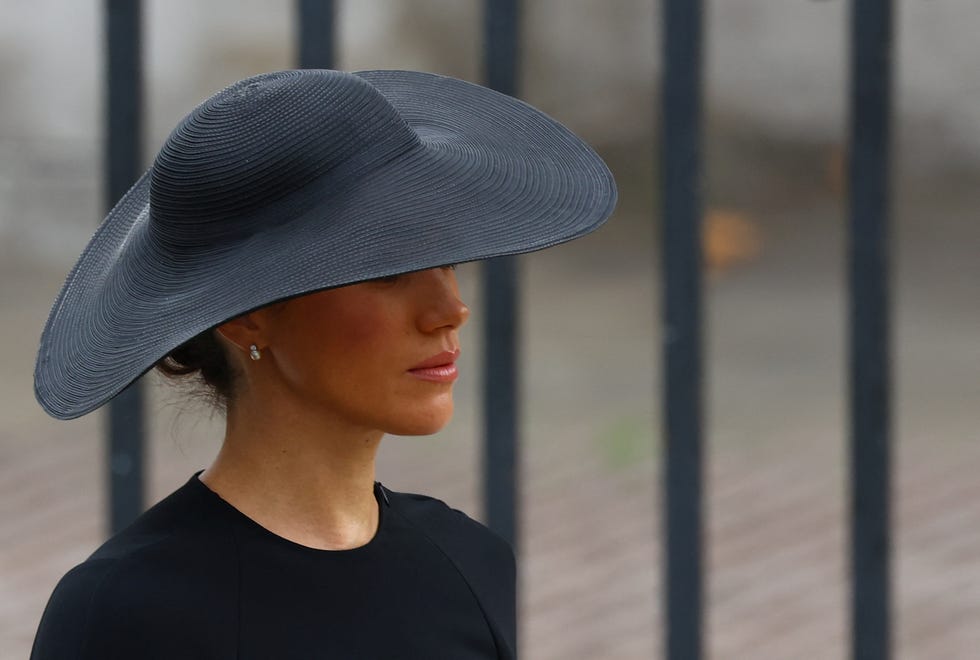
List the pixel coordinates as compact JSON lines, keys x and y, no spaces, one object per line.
{"x":870,"y":87}
{"x":870,"y":379}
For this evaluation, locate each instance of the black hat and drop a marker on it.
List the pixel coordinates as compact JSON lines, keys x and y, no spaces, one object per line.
{"x":296,"y":181}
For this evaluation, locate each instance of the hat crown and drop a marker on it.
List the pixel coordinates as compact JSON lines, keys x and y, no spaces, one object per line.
{"x":262,"y":139}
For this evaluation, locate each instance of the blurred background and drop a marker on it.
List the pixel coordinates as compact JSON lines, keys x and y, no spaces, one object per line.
{"x":775,"y":240}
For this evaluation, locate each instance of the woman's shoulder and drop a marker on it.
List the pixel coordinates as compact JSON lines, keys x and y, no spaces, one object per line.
{"x":131,"y":606}
{"x":184,"y":527}
{"x":444,"y":524}
{"x":484,"y":559}
{"x":129,"y":591}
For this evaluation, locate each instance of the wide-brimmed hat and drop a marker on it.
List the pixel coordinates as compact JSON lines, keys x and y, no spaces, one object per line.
{"x":295,"y":181}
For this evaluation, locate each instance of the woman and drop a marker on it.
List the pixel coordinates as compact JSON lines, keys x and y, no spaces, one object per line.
{"x":292,"y":247}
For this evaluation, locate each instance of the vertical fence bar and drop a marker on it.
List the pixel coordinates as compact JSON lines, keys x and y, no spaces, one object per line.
{"x":123,"y":165}
{"x":316,"y":41}
{"x":500,"y":287}
{"x":681,"y":167}
{"x":869,"y":345}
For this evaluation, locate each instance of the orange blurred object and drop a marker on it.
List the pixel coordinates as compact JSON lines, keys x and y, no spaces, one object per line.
{"x":729,"y":239}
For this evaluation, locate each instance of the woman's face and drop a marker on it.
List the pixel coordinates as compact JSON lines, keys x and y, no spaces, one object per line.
{"x":378,"y":355}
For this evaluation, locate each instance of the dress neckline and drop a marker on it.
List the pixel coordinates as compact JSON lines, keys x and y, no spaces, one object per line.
{"x":380,"y":496}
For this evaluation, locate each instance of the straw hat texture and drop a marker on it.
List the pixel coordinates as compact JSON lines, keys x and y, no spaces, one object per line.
{"x":295,"y":181}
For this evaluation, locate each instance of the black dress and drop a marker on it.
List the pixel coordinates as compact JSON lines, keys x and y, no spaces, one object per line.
{"x":195,"y":578}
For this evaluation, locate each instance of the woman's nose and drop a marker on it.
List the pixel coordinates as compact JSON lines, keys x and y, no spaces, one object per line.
{"x":441,"y":305}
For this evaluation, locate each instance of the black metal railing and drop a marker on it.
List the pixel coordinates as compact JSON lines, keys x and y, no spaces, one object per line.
{"x":315,"y":34}
{"x":682,"y":326}
{"x":501,"y":286}
{"x":869,"y":345}
{"x":870,"y":378}
{"x":123,"y":162}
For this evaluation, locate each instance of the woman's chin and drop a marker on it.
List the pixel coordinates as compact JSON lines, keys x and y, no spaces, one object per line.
{"x":418,"y":429}
{"x":423,"y":424}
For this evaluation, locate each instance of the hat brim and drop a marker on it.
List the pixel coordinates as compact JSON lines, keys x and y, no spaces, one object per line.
{"x":491,"y":176}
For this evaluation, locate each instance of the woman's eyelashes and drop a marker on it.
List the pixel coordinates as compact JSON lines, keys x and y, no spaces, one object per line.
{"x":391,"y":279}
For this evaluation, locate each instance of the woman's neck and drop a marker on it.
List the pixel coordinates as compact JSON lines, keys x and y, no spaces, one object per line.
{"x":302,"y":477}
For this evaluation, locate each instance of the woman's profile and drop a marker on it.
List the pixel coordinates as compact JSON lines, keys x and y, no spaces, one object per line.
{"x":293,"y":249}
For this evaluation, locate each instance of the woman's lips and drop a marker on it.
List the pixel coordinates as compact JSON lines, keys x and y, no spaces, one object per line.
{"x":439,"y":368}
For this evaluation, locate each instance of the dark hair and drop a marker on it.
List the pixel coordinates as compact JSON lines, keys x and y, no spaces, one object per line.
{"x":203,"y":359}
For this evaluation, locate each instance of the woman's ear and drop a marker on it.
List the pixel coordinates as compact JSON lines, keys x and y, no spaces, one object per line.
{"x":243,"y":331}
{"x":255,"y":327}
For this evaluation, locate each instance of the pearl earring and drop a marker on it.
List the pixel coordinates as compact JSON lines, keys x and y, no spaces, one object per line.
{"x":253,"y":352}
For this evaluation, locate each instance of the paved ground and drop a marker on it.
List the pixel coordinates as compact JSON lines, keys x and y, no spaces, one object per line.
{"x":590,"y":438}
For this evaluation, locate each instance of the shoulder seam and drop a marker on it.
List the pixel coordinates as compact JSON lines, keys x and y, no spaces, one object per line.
{"x":491,"y":624}
{"x":233,"y":533}
{"x":113,"y":564}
